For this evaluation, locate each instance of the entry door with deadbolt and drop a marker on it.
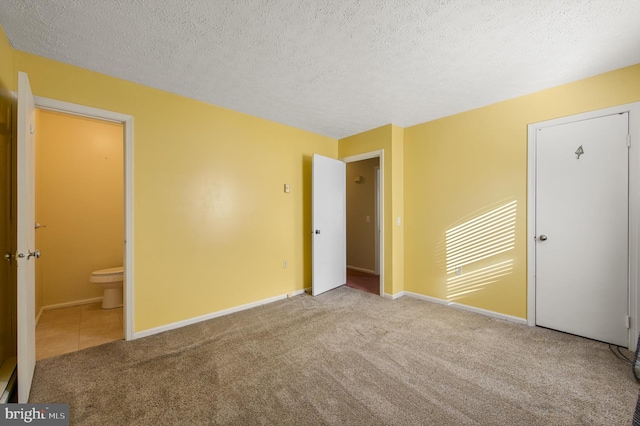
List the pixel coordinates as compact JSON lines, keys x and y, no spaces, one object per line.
{"x":582,"y":228}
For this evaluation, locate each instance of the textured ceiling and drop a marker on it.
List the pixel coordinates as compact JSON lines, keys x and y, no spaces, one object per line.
{"x":335,"y":67}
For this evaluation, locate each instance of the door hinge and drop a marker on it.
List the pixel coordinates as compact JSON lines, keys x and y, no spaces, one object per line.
{"x":627,"y":320}
{"x":628,"y":140}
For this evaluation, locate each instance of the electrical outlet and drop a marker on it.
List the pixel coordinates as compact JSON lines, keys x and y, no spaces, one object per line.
{"x":459,"y":270}
{"x":285,"y":264}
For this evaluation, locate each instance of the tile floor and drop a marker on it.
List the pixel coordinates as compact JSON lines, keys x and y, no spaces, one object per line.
{"x":70,"y":329}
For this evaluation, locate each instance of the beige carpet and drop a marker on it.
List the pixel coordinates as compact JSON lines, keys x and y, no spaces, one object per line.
{"x":344,"y":358}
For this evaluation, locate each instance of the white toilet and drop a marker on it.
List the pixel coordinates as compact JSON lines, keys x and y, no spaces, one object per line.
{"x":111,"y":280}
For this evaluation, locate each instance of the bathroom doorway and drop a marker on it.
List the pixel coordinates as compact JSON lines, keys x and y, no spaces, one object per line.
{"x":80,"y":215}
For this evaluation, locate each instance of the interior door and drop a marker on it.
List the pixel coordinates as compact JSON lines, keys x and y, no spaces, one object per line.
{"x":26,"y":252}
{"x":329,"y":209}
{"x":582,"y":228}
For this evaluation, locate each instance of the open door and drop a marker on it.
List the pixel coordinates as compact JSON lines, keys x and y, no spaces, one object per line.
{"x":329,"y":264}
{"x":26,"y":253}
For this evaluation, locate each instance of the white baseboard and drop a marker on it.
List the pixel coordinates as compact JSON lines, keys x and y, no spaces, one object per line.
{"x":195,"y":320}
{"x":39,"y":315}
{"x":68,"y":304}
{"x":467,"y":308}
{"x":295,"y":293}
{"x":355,"y":268}
{"x":393,"y":296}
{"x":7,"y":378}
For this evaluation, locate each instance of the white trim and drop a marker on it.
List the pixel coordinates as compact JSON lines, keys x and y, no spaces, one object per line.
{"x":81,"y":110}
{"x":634,"y":209}
{"x":393,"y":296}
{"x":9,"y":389}
{"x":39,"y":315}
{"x":127,"y":122}
{"x":531,"y":225}
{"x":72,"y":303}
{"x":634,"y":223}
{"x":377,"y":219}
{"x":295,"y":293}
{"x":7,"y":378}
{"x":195,"y":320}
{"x":485,"y":312}
{"x":128,"y":282}
{"x":366,"y":156}
{"x":355,"y":268}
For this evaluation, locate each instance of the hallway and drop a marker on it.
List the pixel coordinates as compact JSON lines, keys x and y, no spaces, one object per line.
{"x":363,"y":281}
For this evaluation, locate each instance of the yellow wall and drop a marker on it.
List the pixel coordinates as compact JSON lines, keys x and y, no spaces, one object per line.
{"x":361,"y":202}
{"x":390,"y":139}
{"x":459,"y":167}
{"x":80,"y":199}
{"x":7,"y":275}
{"x":212,"y":223}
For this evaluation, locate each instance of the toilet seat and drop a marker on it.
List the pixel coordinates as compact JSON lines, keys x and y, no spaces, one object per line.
{"x":109,"y":275}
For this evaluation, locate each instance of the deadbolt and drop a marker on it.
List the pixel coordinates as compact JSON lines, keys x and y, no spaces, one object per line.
{"x":30,"y":254}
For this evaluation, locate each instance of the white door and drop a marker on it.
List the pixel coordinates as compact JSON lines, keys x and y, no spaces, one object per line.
{"x":329,"y":209}
{"x":582,"y":228}
{"x":26,"y":252}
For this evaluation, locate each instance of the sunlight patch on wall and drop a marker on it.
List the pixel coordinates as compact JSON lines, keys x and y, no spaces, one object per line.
{"x":461,"y":285}
{"x":481,"y":237}
{"x":475,"y":240}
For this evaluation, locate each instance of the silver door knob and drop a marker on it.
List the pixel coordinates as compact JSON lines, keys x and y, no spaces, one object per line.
{"x":542,"y":237}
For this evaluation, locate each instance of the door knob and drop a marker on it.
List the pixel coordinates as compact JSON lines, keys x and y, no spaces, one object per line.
{"x":542,"y":237}
{"x":317,"y":231}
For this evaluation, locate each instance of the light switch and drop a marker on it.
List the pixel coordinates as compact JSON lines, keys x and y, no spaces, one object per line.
{"x":398,"y":220}
{"x":368,"y":219}
{"x":286,"y":187}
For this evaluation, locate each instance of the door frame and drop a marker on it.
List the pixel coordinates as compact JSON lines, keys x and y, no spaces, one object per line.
{"x":634,"y":209}
{"x":377,"y":219}
{"x":127,"y":122}
{"x":366,"y":156}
